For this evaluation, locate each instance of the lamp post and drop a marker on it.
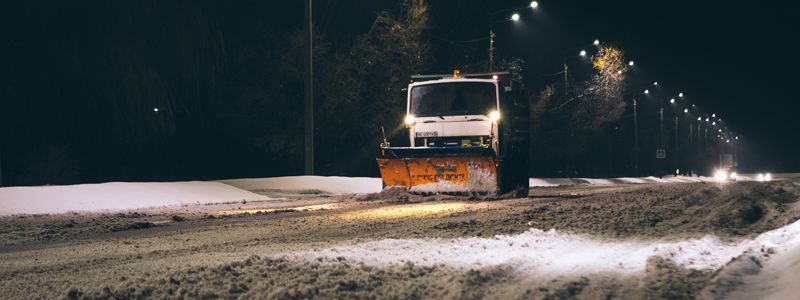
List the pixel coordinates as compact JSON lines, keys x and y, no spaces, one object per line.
{"x":309,"y":93}
{"x":676,"y":133}
{"x":636,"y":137}
{"x":513,"y":18}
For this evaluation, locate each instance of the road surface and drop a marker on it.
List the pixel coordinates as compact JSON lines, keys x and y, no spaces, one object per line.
{"x":586,"y":241}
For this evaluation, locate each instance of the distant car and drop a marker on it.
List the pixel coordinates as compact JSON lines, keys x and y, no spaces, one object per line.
{"x":764,"y":177}
{"x":725,"y":174}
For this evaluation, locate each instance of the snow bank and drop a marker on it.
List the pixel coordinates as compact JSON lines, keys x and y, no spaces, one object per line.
{"x":540,"y":182}
{"x":597,"y":181}
{"x":329,"y":184}
{"x":544,"y":182}
{"x":116,"y":196}
{"x":551,"y":253}
{"x":632,"y":180}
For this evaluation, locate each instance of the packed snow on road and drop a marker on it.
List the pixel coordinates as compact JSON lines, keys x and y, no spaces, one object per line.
{"x":339,"y":237}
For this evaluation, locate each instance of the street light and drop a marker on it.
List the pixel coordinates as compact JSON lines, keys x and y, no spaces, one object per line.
{"x":630,"y":63}
{"x":492,"y":20}
{"x":646,"y":92}
{"x":686,"y":110}
{"x":583,"y":53}
{"x":680,"y":95}
{"x":655,"y":83}
{"x":596,"y":42}
{"x":672,"y":100}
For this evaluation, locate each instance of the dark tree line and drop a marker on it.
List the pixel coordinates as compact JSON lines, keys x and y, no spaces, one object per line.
{"x":165,"y":90}
{"x":176,"y":90}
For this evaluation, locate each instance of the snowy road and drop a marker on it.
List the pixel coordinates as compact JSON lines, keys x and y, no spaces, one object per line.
{"x":607,"y":238}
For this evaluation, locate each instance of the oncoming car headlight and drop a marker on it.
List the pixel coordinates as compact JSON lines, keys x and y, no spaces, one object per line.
{"x":764,"y":177}
{"x":721,"y":176}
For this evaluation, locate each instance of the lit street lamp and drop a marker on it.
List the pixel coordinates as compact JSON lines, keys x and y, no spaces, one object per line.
{"x":513,"y":18}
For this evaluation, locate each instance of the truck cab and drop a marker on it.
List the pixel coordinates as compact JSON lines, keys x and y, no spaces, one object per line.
{"x":453,"y":112}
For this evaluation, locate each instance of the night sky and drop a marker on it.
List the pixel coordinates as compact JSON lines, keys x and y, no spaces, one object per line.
{"x":736,"y":59}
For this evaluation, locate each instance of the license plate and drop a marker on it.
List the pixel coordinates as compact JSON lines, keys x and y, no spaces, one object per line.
{"x":427,"y":134}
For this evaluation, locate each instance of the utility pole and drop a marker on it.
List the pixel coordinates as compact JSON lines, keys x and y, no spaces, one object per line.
{"x":676,"y":133}
{"x":691,"y":143}
{"x":661,"y":127}
{"x":635,"y":140}
{"x":309,"y":91}
{"x":566,"y":77}
{"x":491,"y":47}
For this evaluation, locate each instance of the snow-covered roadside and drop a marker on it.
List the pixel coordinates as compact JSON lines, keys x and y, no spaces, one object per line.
{"x":328,"y":184}
{"x":551,"y":253}
{"x":134,"y":195}
{"x":365,"y":185}
{"x":116,"y":196}
{"x":546,"y":182}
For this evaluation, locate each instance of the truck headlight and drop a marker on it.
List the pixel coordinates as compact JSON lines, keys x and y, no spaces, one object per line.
{"x":494,"y":116}
{"x":409,"y":119}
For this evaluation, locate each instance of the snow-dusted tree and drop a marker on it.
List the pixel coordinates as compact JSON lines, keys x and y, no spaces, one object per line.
{"x":362,"y":88}
{"x":601,"y":96}
{"x":566,"y":123}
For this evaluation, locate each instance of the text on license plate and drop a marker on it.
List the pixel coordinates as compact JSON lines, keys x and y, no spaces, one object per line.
{"x":427,"y":134}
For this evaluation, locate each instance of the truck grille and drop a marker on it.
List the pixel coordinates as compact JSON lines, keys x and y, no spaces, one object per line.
{"x":452,"y":141}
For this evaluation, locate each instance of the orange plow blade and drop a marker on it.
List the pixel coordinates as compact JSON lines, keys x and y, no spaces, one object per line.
{"x":440,"y":170}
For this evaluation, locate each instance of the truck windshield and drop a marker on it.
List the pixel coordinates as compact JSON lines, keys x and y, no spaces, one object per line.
{"x":454,"y":98}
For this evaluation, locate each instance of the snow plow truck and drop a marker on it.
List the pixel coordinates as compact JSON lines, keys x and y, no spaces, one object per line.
{"x":468,"y":134}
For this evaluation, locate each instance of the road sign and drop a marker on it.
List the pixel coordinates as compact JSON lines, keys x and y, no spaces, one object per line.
{"x":661,"y":153}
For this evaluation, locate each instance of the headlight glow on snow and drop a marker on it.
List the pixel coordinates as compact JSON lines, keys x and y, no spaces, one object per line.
{"x":733,"y":175}
{"x":406,"y":211}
